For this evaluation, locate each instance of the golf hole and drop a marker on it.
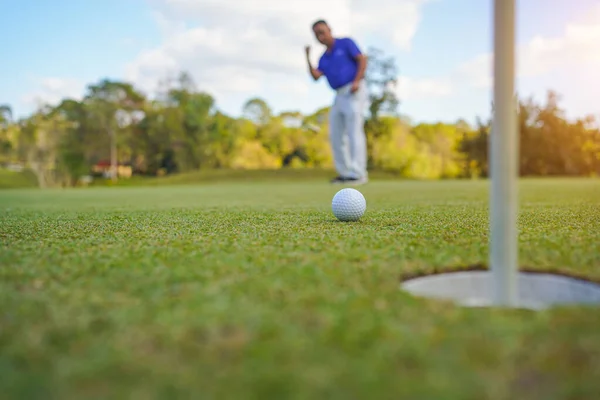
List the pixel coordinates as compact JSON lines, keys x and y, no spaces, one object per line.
{"x":474,"y":288}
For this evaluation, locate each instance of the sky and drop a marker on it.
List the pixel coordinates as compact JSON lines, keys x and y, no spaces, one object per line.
{"x":237,"y":50}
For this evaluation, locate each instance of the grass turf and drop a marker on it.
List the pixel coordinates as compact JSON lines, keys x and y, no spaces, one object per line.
{"x":253,"y":290}
{"x":17,"y":180}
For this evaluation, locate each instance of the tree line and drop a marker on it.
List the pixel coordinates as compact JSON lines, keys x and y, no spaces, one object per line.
{"x":181,"y":129}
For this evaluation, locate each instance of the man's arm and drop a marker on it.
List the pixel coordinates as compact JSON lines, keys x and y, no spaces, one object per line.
{"x":315,"y":73}
{"x":360,"y":58}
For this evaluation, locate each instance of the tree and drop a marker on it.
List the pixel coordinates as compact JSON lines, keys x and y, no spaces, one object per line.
{"x":112,"y":105}
{"x":381,"y":77}
{"x":7,"y":132}
{"x":75,"y":144}
{"x":40,"y":139}
{"x":5,"y":114}
{"x":153,"y":141}
{"x":188,"y":116}
{"x":552,"y":145}
{"x":258,"y":111}
{"x":441,"y":142}
{"x":474,"y":146}
{"x":181,"y":130}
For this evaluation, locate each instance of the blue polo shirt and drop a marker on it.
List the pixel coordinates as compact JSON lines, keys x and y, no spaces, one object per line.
{"x":339,"y":65}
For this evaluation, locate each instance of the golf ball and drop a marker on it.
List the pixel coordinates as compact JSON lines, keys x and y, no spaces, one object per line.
{"x":348,"y":205}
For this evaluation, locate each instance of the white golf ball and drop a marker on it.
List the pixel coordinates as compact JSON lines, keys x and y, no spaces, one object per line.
{"x":348,"y":205}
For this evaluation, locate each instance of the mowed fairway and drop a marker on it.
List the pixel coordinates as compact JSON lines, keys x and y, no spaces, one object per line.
{"x":254,"y":291}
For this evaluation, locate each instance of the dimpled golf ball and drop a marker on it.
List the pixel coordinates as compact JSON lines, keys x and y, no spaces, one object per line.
{"x":348,"y":205}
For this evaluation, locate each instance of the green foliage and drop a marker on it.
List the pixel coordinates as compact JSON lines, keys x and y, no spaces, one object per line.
{"x":381,"y":78}
{"x":183,"y":131}
{"x":41,"y":139}
{"x":426,"y":151}
{"x":258,"y":111}
{"x":17,"y":180}
{"x":441,"y":142}
{"x":552,"y":145}
{"x":5,"y":114}
{"x":253,"y":155}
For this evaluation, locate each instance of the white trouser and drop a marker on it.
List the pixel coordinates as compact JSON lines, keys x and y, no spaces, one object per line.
{"x":346,"y":131}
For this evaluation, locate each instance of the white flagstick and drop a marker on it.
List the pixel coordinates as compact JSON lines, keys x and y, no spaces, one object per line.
{"x":503,"y":151}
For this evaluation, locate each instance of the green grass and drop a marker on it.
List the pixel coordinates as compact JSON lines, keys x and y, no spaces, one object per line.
{"x":233,"y":175}
{"x":17,"y":180}
{"x":253,"y":290}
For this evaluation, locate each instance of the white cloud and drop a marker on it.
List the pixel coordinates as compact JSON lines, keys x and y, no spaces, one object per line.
{"x":243,"y":47}
{"x":579,"y":45}
{"x":54,"y":89}
{"x":476,"y":72}
{"x":235,"y":49}
{"x":426,"y":88}
{"x":291,"y":88}
{"x":570,"y":55}
{"x":395,"y":20}
{"x":577,"y":49}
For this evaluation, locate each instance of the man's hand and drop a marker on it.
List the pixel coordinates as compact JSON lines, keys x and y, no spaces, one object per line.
{"x":355,"y":86}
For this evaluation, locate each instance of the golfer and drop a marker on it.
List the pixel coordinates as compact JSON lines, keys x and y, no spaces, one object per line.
{"x":344,"y":65}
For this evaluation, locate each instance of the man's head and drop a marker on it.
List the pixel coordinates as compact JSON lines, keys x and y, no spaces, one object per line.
{"x":323,"y":32}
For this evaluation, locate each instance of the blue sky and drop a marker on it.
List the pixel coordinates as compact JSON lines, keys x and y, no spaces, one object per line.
{"x":54,"y":48}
